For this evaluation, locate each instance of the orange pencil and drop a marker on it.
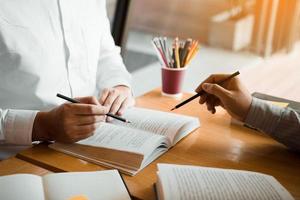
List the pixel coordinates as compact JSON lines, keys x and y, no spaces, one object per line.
{"x":194,"y":46}
{"x":193,"y":55}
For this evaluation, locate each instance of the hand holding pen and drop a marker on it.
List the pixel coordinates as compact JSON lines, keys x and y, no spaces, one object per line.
{"x":69,"y":122}
{"x":95,"y":101}
{"x":216,"y":90}
{"x":232,"y":95}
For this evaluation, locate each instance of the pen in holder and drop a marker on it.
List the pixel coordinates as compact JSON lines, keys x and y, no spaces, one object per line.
{"x":174,"y":61}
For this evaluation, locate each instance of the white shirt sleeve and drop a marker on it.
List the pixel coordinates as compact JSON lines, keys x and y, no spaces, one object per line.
{"x":111,"y":69}
{"x":16,"y":126}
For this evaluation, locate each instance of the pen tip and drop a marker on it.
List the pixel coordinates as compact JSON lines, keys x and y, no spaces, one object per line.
{"x":173,"y":109}
{"x":128,"y":122}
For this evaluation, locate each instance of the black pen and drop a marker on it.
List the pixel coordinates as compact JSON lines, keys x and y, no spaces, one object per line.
{"x":203,"y":92}
{"x":76,"y":101}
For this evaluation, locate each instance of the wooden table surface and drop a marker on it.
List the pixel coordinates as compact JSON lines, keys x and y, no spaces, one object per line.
{"x":216,"y":143}
{"x":16,"y":166}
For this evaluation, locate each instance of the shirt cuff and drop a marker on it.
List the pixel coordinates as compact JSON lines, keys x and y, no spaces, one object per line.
{"x":18,"y":126}
{"x":263,"y":115}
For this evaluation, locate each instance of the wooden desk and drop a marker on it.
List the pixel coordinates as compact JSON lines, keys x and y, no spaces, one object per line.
{"x":16,"y":166}
{"x":215,"y":144}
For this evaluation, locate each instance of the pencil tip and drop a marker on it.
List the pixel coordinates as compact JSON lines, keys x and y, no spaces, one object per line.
{"x":173,"y":109}
{"x":128,"y":122}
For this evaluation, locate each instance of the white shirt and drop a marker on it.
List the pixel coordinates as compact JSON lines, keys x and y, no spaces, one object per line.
{"x":49,"y":47}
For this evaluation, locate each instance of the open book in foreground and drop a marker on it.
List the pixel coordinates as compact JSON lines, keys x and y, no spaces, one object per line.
{"x":130,"y":147}
{"x":64,"y":186}
{"x":193,"y":183}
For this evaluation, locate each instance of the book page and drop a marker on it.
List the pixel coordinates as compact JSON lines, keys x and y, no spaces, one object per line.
{"x":191,"y":182}
{"x":21,"y":186}
{"x":278,"y":103}
{"x":86,"y":185}
{"x":124,"y":138}
{"x":158,"y":122}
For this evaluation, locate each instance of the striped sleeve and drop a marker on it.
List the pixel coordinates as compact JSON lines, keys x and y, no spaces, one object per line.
{"x":282,"y":124}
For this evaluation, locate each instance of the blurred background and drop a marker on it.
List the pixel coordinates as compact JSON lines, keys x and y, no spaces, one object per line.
{"x":234,"y":34}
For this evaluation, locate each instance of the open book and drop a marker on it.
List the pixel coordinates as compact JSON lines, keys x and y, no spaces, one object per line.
{"x":131,"y":147}
{"x":64,"y":186}
{"x":193,"y":183}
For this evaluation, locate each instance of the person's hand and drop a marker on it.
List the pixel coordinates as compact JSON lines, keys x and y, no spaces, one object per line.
{"x":233,"y":96}
{"x":117,"y":99}
{"x":69,"y":122}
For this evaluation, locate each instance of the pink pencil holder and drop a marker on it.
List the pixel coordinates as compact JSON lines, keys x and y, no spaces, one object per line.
{"x":172,"y":81}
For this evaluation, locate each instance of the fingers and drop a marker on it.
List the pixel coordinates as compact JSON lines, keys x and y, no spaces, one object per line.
{"x":209,"y":107}
{"x":117,"y":99}
{"x":117,"y":104}
{"x":83,"y":132}
{"x":111,"y":97}
{"x":216,"y":90}
{"x":113,"y":100}
{"x":104,"y":95}
{"x":225,"y":95}
{"x":87,"y":120}
{"x":87,"y":129}
{"x":203,"y":98}
{"x":87,"y":109}
{"x":217,"y":78}
{"x":88,"y":100}
{"x":75,"y":121}
{"x":211,"y":102}
{"x":121,"y":104}
{"x":88,"y":106}
{"x":124,"y":105}
{"x":214,"y":78}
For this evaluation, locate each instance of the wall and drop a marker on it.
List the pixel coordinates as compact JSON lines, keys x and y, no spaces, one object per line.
{"x":183,"y":18}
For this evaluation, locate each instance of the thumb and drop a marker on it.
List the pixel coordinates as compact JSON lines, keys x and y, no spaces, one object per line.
{"x":216,"y":90}
{"x":89,"y":100}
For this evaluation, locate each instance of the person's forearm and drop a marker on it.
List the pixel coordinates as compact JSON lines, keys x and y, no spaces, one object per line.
{"x":282,"y":124}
